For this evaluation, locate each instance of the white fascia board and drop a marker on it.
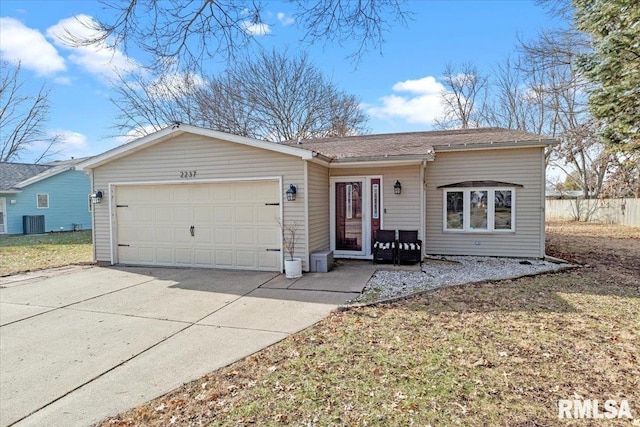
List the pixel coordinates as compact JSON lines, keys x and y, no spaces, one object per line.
{"x":166,"y":133}
{"x":10,"y":191}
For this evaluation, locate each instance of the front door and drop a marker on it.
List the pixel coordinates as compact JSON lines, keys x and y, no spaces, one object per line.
{"x":356,"y":214}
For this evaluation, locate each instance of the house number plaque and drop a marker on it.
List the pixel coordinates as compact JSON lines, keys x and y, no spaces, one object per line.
{"x":188,"y":174}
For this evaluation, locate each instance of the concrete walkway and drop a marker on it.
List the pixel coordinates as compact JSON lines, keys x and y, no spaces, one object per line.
{"x":78,"y":345}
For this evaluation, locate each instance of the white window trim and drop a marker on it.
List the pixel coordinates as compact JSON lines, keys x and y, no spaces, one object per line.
{"x":38,"y":205}
{"x":466,"y":227}
{"x":3,"y":208}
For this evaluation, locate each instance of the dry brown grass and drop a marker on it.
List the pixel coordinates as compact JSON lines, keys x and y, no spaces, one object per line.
{"x":19,"y":254}
{"x":499,"y":353}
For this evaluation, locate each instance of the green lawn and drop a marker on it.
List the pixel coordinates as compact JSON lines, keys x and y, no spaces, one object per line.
{"x":35,"y":252}
{"x":499,"y":354}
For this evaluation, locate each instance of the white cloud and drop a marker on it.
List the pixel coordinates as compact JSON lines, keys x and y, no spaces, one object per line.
{"x":421,"y":102}
{"x":72,"y":144}
{"x":99,"y":59}
{"x":63,"y":80}
{"x":284,"y":19}
{"x":21,"y":43}
{"x":256,"y":28}
{"x":136,"y":133}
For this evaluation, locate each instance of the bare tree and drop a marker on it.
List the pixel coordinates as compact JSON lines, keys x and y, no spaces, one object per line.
{"x":274,"y":97}
{"x":23,"y":118}
{"x":187,"y":32}
{"x":463,"y":98}
{"x":146,"y":103}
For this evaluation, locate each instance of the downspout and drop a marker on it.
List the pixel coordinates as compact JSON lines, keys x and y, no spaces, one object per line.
{"x":306,"y":214}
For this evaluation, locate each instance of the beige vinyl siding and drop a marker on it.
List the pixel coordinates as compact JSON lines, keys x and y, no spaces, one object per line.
{"x":213,"y":160}
{"x":319,"y":206}
{"x":522,"y":166}
{"x":402,"y":211}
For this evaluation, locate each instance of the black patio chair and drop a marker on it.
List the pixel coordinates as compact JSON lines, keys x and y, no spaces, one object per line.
{"x":409,"y":247}
{"x":384,"y":246}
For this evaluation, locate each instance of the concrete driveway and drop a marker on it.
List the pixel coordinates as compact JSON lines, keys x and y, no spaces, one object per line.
{"x":80,"y":345}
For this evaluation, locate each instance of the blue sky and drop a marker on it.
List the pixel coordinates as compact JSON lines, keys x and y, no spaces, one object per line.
{"x":399,"y":89}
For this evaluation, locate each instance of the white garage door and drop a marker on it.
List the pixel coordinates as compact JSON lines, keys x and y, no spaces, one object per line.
{"x":222,"y":225}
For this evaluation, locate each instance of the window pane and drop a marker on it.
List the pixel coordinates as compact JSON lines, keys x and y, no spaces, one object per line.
{"x":478,"y":210}
{"x":502,"y":210}
{"x":455,"y":209}
{"x":43,"y":200}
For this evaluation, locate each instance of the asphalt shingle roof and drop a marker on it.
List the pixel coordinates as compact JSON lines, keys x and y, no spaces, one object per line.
{"x":11,"y":174}
{"x":14,"y":173}
{"x":413,"y":143}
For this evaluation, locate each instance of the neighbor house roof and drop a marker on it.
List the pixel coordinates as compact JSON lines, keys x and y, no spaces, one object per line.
{"x":15,"y":176}
{"x":386,"y":146}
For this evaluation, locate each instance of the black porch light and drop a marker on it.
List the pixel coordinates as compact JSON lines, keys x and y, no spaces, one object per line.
{"x":397,"y":188}
{"x":291,"y":193}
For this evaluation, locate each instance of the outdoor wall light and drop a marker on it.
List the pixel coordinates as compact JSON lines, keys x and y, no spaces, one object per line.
{"x":397,"y":188}
{"x":291,"y":193}
{"x":96,"y":197}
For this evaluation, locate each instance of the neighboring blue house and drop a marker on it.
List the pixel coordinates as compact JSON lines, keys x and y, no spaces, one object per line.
{"x":56,"y":191}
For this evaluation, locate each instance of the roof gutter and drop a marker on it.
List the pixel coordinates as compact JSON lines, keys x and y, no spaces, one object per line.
{"x":402,"y":160}
{"x":494,"y":145}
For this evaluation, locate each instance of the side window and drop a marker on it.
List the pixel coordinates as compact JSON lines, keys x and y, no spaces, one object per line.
{"x":455,"y":210}
{"x":42,"y":201}
{"x":479,"y":210}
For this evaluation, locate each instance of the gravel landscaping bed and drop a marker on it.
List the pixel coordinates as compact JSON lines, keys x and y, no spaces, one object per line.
{"x":448,"y":271}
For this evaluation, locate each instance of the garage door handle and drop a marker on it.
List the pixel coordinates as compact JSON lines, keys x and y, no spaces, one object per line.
{"x":193,"y":231}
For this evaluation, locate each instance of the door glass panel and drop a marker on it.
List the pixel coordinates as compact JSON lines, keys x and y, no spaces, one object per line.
{"x":349,"y":216}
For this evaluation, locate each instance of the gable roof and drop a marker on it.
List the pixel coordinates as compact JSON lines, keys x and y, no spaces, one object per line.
{"x":419,"y":143}
{"x":15,"y":176}
{"x":13,"y":173}
{"x":181,"y":128}
{"x":408,"y":146}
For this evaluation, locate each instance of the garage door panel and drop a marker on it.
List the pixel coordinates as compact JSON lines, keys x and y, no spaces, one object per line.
{"x":223,"y":236}
{"x":224,"y":258}
{"x":164,"y":235}
{"x":246,"y":259}
{"x":182,"y":214}
{"x":203,"y":257}
{"x":223,"y":214}
{"x":202,"y":235}
{"x":201,"y":214}
{"x":266,"y":259}
{"x":268,"y":237}
{"x":165,"y":256}
{"x":146,"y":254}
{"x":184,"y":255}
{"x":145,"y":234}
{"x":245,"y":236}
{"x":164,"y":214}
{"x":183,"y":194}
{"x":232,"y":226}
{"x":245,"y":214}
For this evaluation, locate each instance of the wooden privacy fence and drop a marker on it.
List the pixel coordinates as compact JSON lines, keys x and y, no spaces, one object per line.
{"x":609,"y":211}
